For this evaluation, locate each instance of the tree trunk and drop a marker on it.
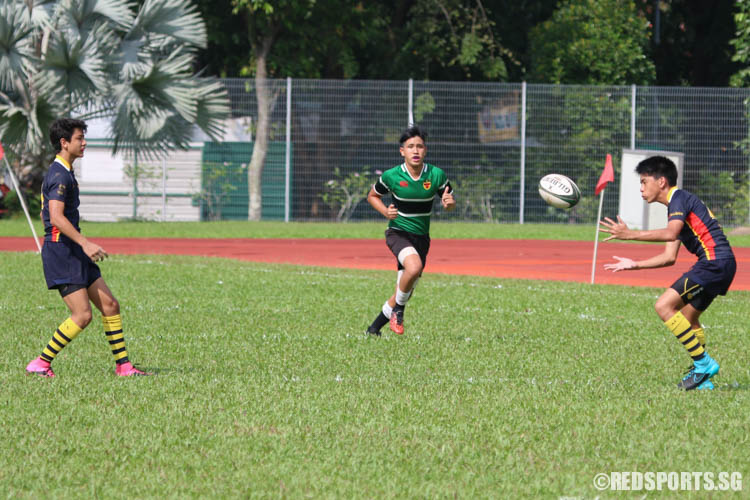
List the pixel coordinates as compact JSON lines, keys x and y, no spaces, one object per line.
{"x":260,"y":147}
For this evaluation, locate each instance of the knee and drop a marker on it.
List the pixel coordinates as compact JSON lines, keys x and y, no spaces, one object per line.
{"x":82,"y":318}
{"x":110,"y":306}
{"x":664,"y":310}
{"x":413,"y":270}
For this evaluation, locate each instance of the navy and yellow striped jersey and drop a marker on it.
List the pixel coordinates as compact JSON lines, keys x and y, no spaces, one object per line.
{"x":702,"y":235}
{"x":60,"y":184}
{"x":413,"y":197}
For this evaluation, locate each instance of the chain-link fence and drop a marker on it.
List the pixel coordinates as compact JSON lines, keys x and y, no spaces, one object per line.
{"x":330,"y":139}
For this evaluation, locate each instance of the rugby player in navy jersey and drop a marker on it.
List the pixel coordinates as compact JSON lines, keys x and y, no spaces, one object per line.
{"x":69,"y":258}
{"x":413,"y":185}
{"x":691,"y":223}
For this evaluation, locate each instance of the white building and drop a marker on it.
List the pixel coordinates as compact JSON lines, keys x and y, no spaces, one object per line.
{"x":165,"y":190}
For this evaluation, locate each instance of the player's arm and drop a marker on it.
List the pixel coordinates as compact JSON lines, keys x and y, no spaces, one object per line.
{"x":618,"y":230}
{"x":57,"y":218}
{"x":667,"y":258}
{"x":376,"y":200}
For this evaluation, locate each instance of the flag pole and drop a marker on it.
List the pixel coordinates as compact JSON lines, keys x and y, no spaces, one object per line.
{"x":23,"y":203}
{"x":608,"y":175}
{"x":596,"y":240}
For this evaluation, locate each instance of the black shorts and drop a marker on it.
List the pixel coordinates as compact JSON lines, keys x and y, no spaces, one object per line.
{"x":398,"y":240}
{"x":66,"y":264}
{"x":700,"y":285}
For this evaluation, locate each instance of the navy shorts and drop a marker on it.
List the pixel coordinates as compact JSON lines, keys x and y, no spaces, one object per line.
{"x":398,"y":240}
{"x":700,"y":285}
{"x":66,"y":264}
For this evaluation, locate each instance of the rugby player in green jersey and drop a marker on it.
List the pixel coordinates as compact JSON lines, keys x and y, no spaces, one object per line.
{"x":413,"y":186}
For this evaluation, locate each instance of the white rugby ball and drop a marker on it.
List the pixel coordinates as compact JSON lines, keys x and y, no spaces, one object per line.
{"x":559,"y":191}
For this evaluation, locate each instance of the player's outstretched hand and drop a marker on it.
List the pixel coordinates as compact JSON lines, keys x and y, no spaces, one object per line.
{"x":94,"y":251}
{"x":622,"y":264}
{"x":617,"y":230}
{"x":449,"y":203}
{"x":391,"y":212}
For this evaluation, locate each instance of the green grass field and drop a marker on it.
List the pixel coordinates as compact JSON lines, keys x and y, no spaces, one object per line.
{"x":267,"y":387}
{"x":242,"y":229}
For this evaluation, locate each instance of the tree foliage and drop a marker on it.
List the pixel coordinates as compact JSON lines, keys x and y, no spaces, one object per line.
{"x":313,"y":38}
{"x":470,"y":40}
{"x":104,"y":59}
{"x":691,"y":41}
{"x":306,"y":38}
{"x":593,"y":42}
{"x":451,"y":38}
{"x":393,"y":39}
{"x":741,"y":43}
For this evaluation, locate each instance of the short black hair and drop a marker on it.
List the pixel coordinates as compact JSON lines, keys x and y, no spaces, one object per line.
{"x":63,"y":128}
{"x":412,"y":131}
{"x":658,"y":166}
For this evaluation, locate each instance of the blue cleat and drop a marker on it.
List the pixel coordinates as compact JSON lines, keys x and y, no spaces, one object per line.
{"x":701,"y":372}
{"x":707,"y":385}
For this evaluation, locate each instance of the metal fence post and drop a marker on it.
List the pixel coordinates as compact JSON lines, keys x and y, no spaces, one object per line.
{"x":522,"y":198}
{"x":632,"y":117}
{"x":287,"y":155}
{"x":164,"y":190}
{"x":411,"y":101}
{"x":135,"y":184}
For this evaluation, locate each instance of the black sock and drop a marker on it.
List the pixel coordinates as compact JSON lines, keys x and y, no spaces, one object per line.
{"x":399,"y":307}
{"x":379,"y":322}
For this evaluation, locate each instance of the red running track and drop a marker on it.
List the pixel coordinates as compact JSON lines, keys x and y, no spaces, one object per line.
{"x":524,"y":259}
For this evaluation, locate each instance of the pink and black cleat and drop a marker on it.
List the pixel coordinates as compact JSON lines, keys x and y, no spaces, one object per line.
{"x":40,"y":367}
{"x":128,"y":370}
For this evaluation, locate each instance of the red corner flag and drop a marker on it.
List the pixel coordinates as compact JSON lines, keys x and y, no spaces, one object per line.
{"x":2,"y":153}
{"x":607,"y":176}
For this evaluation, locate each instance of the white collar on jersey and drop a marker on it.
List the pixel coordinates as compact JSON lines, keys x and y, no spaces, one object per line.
{"x":406,"y":169}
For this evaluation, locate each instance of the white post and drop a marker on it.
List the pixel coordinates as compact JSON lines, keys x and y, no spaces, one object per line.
{"x":411,"y":101}
{"x":632,"y":117}
{"x":596,"y":240}
{"x":288,"y":153}
{"x":164,"y":190}
{"x":523,"y":153}
{"x":23,"y":203}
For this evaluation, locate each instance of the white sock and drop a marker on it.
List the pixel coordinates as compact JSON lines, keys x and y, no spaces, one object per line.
{"x":387,"y":309}
{"x":402,"y":297}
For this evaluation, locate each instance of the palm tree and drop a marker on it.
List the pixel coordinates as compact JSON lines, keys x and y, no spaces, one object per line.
{"x":103,"y":59}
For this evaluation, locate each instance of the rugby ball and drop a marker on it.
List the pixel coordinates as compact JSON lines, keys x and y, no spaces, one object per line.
{"x":559,"y":191}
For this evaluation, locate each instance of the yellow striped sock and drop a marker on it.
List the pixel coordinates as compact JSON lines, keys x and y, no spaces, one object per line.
{"x":680,"y":327}
{"x":700,"y":335}
{"x":113,"y":330}
{"x":64,"y":334}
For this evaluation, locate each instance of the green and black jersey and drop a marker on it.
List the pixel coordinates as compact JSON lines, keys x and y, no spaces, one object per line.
{"x":413,"y":197}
